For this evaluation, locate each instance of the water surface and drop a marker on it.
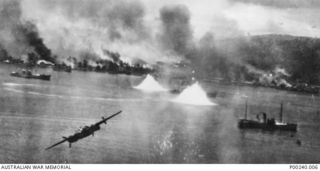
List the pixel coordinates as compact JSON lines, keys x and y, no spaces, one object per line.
{"x":152,"y":129}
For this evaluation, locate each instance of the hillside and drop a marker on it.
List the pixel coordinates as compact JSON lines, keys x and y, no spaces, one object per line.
{"x":243,"y":59}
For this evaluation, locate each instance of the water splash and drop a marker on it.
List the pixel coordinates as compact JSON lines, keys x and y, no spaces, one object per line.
{"x":150,"y":84}
{"x":194,"y":95}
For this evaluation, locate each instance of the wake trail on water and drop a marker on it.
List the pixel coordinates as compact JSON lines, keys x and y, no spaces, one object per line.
{"x":71,"y":97}
{"x":9,"y":84}
{"x":22,"y":116}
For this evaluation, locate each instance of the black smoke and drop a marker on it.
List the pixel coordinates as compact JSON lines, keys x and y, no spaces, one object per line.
{"x":176,"y":32}
{"x":113,"y":55}
{"x":89,"y":56}
{"x":29,"y":33}
{"x":3,"y":53}
{"x":19,"y":37}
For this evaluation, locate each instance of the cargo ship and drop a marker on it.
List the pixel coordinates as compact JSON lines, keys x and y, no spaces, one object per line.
{"x":265,"y":123}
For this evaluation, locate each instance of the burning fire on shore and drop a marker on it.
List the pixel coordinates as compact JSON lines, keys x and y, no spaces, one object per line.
{"x":275,"y":78}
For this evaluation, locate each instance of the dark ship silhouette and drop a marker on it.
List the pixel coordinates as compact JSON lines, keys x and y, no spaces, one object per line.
{"x":29,"y":75}
{"x":265,"y":123}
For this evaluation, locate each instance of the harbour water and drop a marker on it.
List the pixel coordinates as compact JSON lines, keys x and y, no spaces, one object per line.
{"x":152,"y":128}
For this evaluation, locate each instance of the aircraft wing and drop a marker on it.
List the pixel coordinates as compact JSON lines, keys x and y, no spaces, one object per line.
{"x":60,"y":142}
{"x":104,"y":120}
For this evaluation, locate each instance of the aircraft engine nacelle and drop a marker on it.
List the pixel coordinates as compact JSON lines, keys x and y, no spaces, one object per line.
{"x":105,"y":122}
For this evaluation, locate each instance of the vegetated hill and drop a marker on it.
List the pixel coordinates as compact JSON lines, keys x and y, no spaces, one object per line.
{"x":233,"y":58}
{"x":300,"y":56}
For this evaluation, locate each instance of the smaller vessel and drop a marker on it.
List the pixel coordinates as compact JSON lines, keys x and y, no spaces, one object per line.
{"x":265,"y":123}
{"x":29,"y":75}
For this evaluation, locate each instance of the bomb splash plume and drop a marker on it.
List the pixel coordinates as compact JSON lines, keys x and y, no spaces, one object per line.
{"x":150,"y":84}
{"x":194,"y":95}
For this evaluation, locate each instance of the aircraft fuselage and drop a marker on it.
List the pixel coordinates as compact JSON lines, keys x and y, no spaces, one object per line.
{"x":85,"y":132}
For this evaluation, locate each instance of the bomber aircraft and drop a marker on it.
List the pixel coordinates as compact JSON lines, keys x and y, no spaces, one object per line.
{"x":84,"y":132}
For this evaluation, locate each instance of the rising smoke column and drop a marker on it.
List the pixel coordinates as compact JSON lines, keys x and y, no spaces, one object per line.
{"x":204,"y":55}
{"x":73,"y":26}
{"x":3,"y":52}
{"x":85,"y":29}
{"x":20,"y":37}
{"x":10,"y":14}
{"x":113,"y":55}
{"x":29,"y":33}
{"x":177,"y":33}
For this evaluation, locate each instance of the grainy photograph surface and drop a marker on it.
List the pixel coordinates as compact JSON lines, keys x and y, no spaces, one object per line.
{"x":159,"y":81}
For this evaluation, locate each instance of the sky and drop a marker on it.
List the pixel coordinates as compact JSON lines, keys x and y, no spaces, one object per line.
{"x":295,"y":17}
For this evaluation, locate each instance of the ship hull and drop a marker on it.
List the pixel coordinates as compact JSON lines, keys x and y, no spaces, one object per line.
{"x":250,"y":124}
{"x":40,"y":76}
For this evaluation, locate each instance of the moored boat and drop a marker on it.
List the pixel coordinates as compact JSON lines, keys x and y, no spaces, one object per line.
{"x":266,"y":124}
{"x":29,"y":75}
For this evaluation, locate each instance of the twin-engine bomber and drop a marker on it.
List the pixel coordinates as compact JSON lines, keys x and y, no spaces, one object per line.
{"x":84,"y":132}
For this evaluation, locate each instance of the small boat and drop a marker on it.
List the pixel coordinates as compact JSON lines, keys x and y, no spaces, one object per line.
{"x":28,"y":75}
{"x":266,"y":124}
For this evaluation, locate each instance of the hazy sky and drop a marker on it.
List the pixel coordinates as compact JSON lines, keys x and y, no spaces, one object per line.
{"x":296,"y":17}
{"x":229,"y":17}
{"x":138,"y":29}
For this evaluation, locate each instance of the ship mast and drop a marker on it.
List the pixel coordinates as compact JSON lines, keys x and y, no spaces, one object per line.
{"x":281,"y":109}
{"x":246,"y":111}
